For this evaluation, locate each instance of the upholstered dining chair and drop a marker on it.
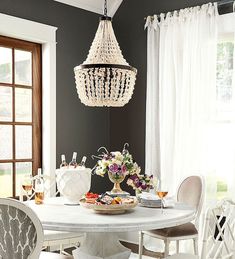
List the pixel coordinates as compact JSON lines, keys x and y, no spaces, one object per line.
{"x":191,"y":192}
{"x":21,"y":235}
{"x":61,"y":239}
{"x":218,"y":234}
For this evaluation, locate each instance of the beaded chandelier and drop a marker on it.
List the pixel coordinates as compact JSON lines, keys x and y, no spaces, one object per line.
{"x":105,"y":78}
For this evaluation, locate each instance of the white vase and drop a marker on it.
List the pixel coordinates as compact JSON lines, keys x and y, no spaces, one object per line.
{"x":73,"y":183}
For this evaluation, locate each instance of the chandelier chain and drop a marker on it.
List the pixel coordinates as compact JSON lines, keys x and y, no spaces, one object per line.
{"x":105,"y":8}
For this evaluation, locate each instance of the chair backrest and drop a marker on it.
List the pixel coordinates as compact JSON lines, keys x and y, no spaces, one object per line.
{"x":191,"y":192}
{"x":219,"y":232}
{"x":21,"y":233}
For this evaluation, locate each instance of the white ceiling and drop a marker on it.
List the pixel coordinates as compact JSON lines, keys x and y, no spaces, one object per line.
{"x":95,"y":6}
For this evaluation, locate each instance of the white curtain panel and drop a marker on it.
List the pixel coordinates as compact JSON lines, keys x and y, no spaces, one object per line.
{"x":181,"y":92}
{"x":152,"y":154}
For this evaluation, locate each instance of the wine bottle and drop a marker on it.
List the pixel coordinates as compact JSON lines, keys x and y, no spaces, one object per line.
{"x":82,"y":163}
{"x":73,"y":163}
{"x":39,"y":187}
{"x":63,"y":162}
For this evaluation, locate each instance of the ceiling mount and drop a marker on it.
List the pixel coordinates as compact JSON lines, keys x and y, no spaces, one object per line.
{"x":95,"y":6}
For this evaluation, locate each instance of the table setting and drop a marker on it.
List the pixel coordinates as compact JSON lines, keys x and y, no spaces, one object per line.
{"x":102,"y":216}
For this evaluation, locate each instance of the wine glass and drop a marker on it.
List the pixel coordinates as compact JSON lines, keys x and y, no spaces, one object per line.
{"x":27,"y":184}
{"x":162,"y":191}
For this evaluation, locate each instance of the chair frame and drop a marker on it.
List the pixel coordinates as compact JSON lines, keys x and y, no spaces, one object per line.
{"x":167,"y":240}
{"x":211,"y":216}
{"x":73,"y":241}
{"x":212,"y":213}
{"x":35,"y":220}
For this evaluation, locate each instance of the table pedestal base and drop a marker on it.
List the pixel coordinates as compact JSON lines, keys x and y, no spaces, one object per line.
{"x":101,"y":246}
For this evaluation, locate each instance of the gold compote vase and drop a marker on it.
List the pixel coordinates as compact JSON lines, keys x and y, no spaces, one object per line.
{"x":116,"y":179}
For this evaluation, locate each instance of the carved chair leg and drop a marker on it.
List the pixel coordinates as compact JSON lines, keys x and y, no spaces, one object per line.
{"x":177,"y":246}
{"x":167,"y":244}
{"x":141,"y":237}
{"x":195,"y":245}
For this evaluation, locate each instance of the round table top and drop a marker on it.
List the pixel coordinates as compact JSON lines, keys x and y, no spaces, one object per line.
{"x":54,"y":215}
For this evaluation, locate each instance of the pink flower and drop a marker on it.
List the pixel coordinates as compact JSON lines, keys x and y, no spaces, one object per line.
{"x":124,"y":169}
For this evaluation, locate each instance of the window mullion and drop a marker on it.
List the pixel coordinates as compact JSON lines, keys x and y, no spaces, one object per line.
{"x":13,"y":126}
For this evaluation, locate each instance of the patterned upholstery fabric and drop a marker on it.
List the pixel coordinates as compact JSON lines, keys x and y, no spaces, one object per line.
{"x":17,"y":233}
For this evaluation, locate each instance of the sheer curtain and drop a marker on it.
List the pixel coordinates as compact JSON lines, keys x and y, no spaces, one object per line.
{"x":181,"y":95}
{"x":152,"y":153}
{"x":181,"y":92}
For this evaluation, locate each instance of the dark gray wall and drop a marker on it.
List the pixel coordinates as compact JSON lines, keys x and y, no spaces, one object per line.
{"x":84,"y":129}
{"x":79,"y":128}
{"x":128,"y":123}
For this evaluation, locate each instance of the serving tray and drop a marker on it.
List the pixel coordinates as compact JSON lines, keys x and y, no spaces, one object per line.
{"x":109,"y":209}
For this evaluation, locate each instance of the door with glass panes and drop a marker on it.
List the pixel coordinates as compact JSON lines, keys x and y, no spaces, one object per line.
{"x":20,"y":113}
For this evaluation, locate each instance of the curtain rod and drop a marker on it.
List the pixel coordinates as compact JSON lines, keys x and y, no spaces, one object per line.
{"x":220,"y":3}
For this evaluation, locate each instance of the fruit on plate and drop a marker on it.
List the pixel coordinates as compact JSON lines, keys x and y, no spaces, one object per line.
{"x":105,"y":199}
{"x":127,"y":200}
{"x":116,"y":200}
{"x":91,"y":195}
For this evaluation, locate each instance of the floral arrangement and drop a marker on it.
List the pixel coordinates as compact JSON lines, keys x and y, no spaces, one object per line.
{"x":118,"y":164}
{"x":141,"y":182}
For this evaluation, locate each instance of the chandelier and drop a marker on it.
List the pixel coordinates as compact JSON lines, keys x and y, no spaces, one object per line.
{"x":105,"y":78}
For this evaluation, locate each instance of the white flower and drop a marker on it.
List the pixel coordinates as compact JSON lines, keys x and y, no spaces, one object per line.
{"x":100,"y":171}
{"x":119,"y":156}
{"x":115,"y":161}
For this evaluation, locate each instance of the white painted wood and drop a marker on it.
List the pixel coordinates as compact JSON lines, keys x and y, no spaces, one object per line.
{"x":35,"y":221}
{"x":102,"y":246}
{"x":102,"y":230}
{"x":95,"y":6}
{"x":26,"y":30}
{"x":54,"y":215}
{"x":36,"y":253}
{"x":46,"y":35}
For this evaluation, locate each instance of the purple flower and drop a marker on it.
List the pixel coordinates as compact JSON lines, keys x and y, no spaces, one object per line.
{"x":113,"y":168}
{"x":134,"y":177}
{"x":144,"y":187}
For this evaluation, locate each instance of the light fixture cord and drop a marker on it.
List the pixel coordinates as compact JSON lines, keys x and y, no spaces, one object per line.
{"x":105,"y":8}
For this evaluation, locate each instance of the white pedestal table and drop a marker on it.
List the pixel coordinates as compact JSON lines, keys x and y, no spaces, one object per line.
{"x":101,"y":241}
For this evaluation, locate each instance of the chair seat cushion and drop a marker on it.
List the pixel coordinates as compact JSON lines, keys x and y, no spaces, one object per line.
{"x":47,"y":255}
{"x":59,"y":235}
{"x":182,"y":256}
{"x":187,"y":229}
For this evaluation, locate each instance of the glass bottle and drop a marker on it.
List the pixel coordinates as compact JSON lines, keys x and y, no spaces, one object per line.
{"x":82,"y":163}
{"x":73,"y":163}
{"x":39,"y":187}
{"x":63,"y":162}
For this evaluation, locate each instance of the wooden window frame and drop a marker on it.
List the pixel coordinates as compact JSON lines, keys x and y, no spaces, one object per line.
{"x":36,"y":87}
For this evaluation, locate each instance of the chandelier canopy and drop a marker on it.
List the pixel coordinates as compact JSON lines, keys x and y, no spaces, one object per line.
{"x":105,"y":78}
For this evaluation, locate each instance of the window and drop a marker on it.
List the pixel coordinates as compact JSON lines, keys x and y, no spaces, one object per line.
{"x":224,"y":86}
{"x":224,"y":127}
{"x":20,"y":112}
